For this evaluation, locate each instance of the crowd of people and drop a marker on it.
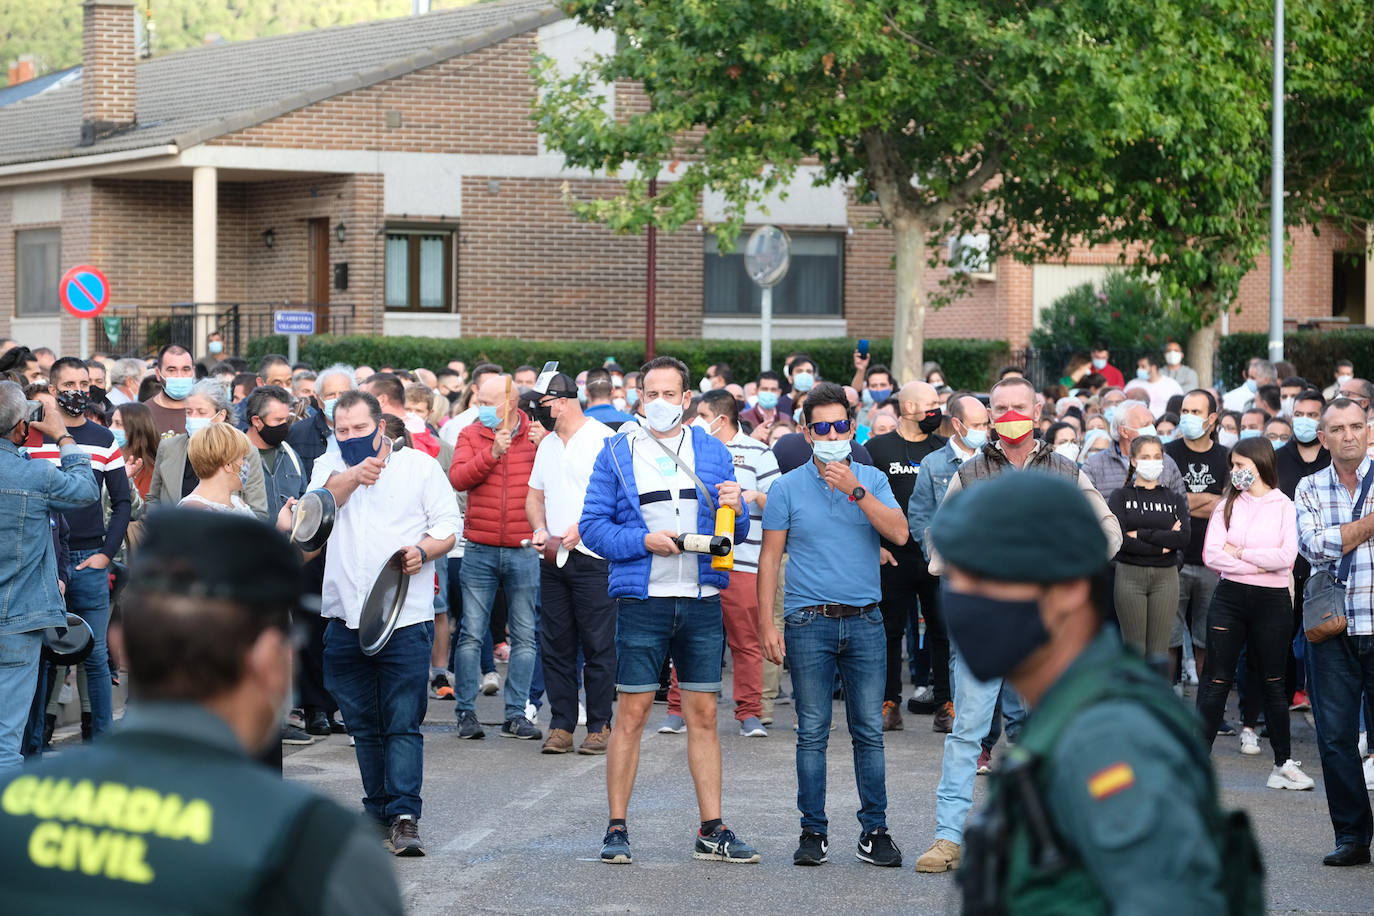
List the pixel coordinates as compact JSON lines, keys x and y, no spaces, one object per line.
{"x":565,"y":521}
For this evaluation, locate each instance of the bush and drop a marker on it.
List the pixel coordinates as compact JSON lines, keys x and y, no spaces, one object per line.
{"x":966,"y":363}
{"x":1312,"y":353}
{"x":1125,"y":314}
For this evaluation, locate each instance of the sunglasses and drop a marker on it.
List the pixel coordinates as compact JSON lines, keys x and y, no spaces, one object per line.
{"x":822,"y":428}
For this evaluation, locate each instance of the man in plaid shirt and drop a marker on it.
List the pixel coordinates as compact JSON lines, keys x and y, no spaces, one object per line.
{"x":1341,"y":670}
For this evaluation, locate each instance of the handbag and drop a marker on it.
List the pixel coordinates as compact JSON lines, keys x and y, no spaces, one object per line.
{"x":1323,"y":598}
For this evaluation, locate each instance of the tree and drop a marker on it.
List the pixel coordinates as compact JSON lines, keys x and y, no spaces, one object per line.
{"x":950,"y":113}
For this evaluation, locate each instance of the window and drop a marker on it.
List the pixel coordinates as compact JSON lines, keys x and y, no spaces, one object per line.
{"x":419,"y":270}
{"x":814,"y":285}
{"x":37,"y":260}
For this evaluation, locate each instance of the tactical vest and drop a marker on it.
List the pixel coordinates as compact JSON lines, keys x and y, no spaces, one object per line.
{"x":989,"y":462}
{"x":1067,"y":887}
{"x":128,"y":827}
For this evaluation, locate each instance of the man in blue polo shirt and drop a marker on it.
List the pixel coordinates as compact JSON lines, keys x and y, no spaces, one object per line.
{"x":829,"y":514}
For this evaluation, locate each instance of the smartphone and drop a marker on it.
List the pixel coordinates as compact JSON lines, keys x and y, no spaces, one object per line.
{"x":35,"y":411}
{"x":863,"y":346}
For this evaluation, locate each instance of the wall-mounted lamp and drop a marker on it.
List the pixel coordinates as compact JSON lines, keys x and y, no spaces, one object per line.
{"x":269,"y":237}
{"x":341,"y":233}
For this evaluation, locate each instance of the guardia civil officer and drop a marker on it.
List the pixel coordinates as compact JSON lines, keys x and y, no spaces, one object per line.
{"x":170,"y":813}
{"x":1108,"y":803}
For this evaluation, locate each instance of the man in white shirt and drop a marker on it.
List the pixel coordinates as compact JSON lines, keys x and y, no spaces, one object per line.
{"x":1186,"y":376}
{"x":457,"y":423}
{"x":400,"y":502}
{"x":1159,"y":386}
{"x":1257,"y":372}
{"x":576,"y":609}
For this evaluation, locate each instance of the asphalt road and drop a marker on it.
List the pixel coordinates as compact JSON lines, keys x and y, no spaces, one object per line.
{"x":510,"y":830}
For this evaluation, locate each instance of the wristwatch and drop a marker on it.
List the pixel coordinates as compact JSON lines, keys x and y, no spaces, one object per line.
{"x":858,"y":494}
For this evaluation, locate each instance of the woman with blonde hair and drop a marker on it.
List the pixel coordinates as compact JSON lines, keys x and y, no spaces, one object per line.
{"x":219,"y":456}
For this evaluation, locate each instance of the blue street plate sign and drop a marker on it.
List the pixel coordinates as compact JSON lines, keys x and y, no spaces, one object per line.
{"x":84,"y":291}
{"x":284,"y":322}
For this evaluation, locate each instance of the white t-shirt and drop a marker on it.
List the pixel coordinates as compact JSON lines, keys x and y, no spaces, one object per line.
{"x":562,"y":471}
{"x":668,"y":501}
{"x":1160,"y":392}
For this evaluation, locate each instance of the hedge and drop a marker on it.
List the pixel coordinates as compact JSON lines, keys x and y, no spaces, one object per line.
{"x":1312,"y":353}
{"x":966,"y":363}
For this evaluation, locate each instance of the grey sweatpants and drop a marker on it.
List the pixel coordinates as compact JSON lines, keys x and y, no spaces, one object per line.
{"x":1146,"y":605}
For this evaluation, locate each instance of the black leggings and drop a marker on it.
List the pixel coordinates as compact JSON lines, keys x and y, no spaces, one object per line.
{"x":1261,"y":619}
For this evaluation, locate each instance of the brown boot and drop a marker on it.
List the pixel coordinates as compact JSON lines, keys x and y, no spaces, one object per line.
{"x":595,"y":742}
{"x":892,"y":717}
{"x":942,"y":856}
{"x":944,"y":719}
{"x":558,"y":742}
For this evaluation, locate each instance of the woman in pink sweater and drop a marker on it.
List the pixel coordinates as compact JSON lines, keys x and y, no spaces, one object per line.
{"x":1252,"y":540}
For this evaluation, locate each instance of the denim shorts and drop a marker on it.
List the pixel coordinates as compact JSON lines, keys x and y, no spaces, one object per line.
{"x":691,"y":630}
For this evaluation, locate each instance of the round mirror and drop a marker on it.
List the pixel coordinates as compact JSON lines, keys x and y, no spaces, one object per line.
{"x":767,"y":255}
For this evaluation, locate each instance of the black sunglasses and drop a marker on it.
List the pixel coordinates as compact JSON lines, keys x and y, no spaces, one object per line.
{"x":822,"y":428}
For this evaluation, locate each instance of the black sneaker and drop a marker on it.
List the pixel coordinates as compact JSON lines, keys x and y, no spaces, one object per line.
{"x":1227,"y":728}
{"x":468,"y":726}
{"x":811,"y":849}
{"x":403,"y":836}
{"x":520,"y":727}
{"x":317,"y":723}
{"x":723,"y":846}
{"x":877,"y":848}
{"x":615,"y":847}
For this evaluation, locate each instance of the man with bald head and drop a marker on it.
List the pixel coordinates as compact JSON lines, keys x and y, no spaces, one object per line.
{"x":899,"y":454}
{"x":1109,"y":468}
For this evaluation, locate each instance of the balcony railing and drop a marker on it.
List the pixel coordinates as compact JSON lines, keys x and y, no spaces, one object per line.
{"x":142,"y":330}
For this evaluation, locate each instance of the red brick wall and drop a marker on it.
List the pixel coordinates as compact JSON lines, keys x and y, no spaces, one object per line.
{"x":1306,"y":281}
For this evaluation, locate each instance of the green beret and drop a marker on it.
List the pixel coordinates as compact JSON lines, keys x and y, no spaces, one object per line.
{"x":1021,"y":526}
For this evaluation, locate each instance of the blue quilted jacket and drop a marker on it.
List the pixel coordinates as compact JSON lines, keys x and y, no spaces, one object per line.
{"x":612,"y":525}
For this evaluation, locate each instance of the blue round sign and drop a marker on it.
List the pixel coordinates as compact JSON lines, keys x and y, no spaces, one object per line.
{"x":84,"y":291}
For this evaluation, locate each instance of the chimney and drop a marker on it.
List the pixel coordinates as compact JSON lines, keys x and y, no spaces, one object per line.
{"x":22,"y":70}
{"x":107,"y":68}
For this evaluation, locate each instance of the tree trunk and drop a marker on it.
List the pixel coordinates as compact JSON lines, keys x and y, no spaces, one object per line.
{"x":909,"y":329}
{"x":1202,"y":348}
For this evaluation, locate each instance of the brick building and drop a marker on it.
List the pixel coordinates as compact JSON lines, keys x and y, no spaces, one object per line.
{"x":387,"y":174}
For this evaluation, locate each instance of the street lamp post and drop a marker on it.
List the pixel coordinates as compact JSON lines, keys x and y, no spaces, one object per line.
{"x":1276,"y":198}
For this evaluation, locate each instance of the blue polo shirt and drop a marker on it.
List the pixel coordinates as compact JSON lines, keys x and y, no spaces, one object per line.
{"x":832,"y":547}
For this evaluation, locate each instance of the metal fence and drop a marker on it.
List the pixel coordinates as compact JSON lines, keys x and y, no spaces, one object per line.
{"x":141,"y":330}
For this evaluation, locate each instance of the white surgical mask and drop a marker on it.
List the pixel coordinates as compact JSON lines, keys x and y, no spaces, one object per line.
{"x":831,"y":449}
{"x":1146,"y":431}
{"x":1342,"y":379}
{"x":1286,"y":406}
{"x":662,"y":414}
{"x":705,"y":385}
{"x":1067,"y":450}
{"x":619,"y":403}
{"x":1150,"y":468}
{"x":1173,"y":357}
{"x":1226,"y":438}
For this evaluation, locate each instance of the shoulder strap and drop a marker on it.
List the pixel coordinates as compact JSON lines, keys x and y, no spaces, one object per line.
{"x":291,"y":453}
{"x":1349,"y":557}
{"x":677,"y":459}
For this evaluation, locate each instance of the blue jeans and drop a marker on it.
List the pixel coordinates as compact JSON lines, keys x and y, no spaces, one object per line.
{"x":516,"y":570}
{"x":1339,"y":672}
{"x":1010,"y":708}
{"x":88,"y":594}
{"x":383,"y":698}
{"x":19,"y":654}
{"x":648,"y":631}
{"x":974,"y":702}
{"x":454,"y":579}
{"x":855,"y":648}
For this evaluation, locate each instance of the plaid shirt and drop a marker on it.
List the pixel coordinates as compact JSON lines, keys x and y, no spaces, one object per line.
{"x":1324,"y":504}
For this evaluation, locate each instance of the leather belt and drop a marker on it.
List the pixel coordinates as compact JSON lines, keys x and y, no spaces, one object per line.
{"x":838,"y":610}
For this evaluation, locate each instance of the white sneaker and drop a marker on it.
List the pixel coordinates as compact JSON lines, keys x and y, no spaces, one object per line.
{"x":531,"y":713}
{"x":1289,"y":776}
{"x":491,"y":682}
{"x":1249,"y":742}
{"x":1369,"y":773}
{"x":925,"y":695}
{"x":581,"y":714}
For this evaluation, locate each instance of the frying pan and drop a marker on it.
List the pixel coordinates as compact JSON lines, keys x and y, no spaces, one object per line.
{"x":382,"y":609}
{"x":69,"y":645}
{"x":554,"y":552}
{"x":314,"y":520}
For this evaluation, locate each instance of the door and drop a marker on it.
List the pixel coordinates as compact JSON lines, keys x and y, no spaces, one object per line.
{"x":318,"y":278}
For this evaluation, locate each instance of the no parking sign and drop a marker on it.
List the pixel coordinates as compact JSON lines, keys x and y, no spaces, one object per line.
{"x":84,"y":291}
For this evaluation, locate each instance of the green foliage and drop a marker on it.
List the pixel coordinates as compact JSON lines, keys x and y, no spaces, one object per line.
{"x":1126,"y":313}
{"x":1312,"y":353}
{"x":966,"y":363}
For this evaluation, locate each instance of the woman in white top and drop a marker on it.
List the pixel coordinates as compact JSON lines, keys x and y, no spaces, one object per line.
{"x":218,"y":454}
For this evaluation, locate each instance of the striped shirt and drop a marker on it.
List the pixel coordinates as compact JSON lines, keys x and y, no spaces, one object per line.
{"x":756,"y":467}
{"x":88,"y":528}
{"x":1324,"y":504}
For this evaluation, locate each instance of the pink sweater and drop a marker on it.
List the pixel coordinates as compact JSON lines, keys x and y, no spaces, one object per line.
{"x":1267,"y":529}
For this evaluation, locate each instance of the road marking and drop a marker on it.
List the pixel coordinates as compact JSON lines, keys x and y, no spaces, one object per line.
{"x":529,"y":801}
{"x":466,"y":840}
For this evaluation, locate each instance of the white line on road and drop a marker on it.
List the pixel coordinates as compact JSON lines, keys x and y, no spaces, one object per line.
{"x":466,"y":840}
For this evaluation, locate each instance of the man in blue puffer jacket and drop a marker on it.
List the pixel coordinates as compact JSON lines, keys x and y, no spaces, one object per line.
{"x":639,"y":499}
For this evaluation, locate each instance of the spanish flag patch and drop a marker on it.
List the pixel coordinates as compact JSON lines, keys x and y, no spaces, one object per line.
{"x":1116,"y":778}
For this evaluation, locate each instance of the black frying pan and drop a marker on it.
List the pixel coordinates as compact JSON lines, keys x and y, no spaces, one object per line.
{"x":314,"y":520}
{"x":69,"y":645}
{"x":382,"y":609}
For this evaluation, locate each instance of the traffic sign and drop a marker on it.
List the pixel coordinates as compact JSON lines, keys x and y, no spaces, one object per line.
{"x":285,"y":322}
{"x":84,"y":291}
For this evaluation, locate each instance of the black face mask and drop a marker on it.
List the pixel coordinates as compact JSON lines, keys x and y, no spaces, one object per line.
{"x":274,"y":435}
{"x":544,"y":414}
{"x":931,"y":421}
{"x":993,"y":636}
{"x":97,"y":394}
{"x":74,"y":403}
{"x":453,"y":396}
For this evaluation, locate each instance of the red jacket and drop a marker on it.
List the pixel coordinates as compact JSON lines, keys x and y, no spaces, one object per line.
{"x":496,"y":487}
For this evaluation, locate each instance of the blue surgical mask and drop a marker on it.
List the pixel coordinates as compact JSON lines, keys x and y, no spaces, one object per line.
{"x":802,"y":381}
{"x":768,"y":399}
{"x":120,"y":439}
{"x":1305,"y":428}
{"x":329,"y":408}
{"x":880,"y":394}
{"x":1146,"y":431}
{"x":1277,"y":443}
{"x":1143,"y":374}
{"x":358,"y":449}
{"x":1166,"y":438}
{"x":487,"y":416}
{"x":1109,"y":413}
{"x":1252,"y":385}
{"x":1099,"y":364}
{"x":975,"y":438}
{"x":582,"y":394}
{"x":1251,"y":433}
{"x":177,"y":388}
{"x":1192,"y":426}
{"x":831,"y":449}
{"x":632,"y":397}
{"x":196,"y":424}
{"x":216,"y":347}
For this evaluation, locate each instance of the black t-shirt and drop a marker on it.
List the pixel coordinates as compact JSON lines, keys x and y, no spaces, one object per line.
{"x":901,"y":460}
{"x":1292,"y":468}
{"x":1203,"y":472}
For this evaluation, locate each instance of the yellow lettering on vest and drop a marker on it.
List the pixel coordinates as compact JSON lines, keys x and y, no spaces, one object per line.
{"x":141,"y":811}
{"x":18,"y":796}
{"x":93,"y":848}
{"x":134,"y":867}
{"x":195,"y":822}
{"x":48,"y":799}
{"x":77,"y":805}
{"x":168,"y":815}
{"x":66,"y":857}
{"x":108,"y":808}
{"x":44,"y":844}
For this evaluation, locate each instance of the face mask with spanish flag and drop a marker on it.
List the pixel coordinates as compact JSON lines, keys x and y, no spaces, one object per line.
{"x":1013,"y":427}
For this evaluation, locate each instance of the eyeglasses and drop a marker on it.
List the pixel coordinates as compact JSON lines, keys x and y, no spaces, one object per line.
{"x":822,"y":428}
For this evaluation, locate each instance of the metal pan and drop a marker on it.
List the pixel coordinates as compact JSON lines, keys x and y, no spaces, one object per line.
{"x":382,"y":609}
{"x":314,"y":520}
{"x":69,"y":645}
{"x":554,"y":552}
